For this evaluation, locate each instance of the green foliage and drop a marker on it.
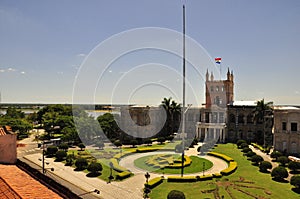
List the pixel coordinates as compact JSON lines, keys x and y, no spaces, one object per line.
{"x":275,"y":155}
{"x":70,"y":159}
{"x":264,"y":166}
{"x":14,"y":113}
{"x":60,"y":155}
{"x":279,"y":173}
{"x":161,"y":140}
{"x":222,"y":156}
{"x":294,"y":166}
{"x":122,"y":175}
{"x":94,"y":167}
{"x":295,"y":181}
{"x":246,"y":150}
{"x":51,"y":150}
{"x":182,"y":179}
{"x":133,"y":143}
{"x":175,"y":194}
{"x":118,"y":143}
{"x":154,"y":182}
{"x":19,"y":125}
{"x":283,"y":160}
{"x":115,"y":165}
{"x":239,"y":142}
{"x":250,"y":154}
{"x":256,"y":159}
{"x":231,"y":168}
{"x":64,"y":146}
{"x":81,"y":163}
{"x":244,"y":145}
{"x":109,"y":125}
{"x":81,"y":146}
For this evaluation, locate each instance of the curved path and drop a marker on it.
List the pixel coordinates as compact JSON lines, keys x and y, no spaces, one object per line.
{"x":128,"y":162}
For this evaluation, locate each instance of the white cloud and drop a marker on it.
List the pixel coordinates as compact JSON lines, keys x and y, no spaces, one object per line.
{"x":23,"y":72}
{"x":11,"y":70}
{"x":2,"y":71}
{"x":110,"y":71}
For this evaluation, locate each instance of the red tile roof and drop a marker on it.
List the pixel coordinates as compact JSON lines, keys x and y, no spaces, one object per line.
{"x":6,"y":191}
{"x":24,"y":185}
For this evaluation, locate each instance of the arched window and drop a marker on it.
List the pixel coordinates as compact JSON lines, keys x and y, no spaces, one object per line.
{"x":217,"y":88}
{"x":212,"y":88}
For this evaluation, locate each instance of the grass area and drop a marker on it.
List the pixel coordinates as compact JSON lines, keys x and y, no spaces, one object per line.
{"x":244,"y":182}
{"x":195,"y":167}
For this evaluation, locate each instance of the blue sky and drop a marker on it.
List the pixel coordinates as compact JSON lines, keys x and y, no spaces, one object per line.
{"x":44,"y":43}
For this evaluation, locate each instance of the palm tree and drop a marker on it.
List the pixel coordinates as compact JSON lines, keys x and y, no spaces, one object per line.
{"x":261,"y":112}
{"x":173,"y":114}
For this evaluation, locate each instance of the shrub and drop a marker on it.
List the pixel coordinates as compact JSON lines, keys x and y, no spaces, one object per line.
{"x":175,"y":194}
{"x":275,"y":155}
{"x":69,"y":159}
{"x":264,"y":166}
{"x":115,"y":165}
{"x":294,"y":166}
{"x":133,"y":143}
{"x":51,"y":150}
{"x":222,"y":156}
{"x":231,"y":168}
{"x":81,"y":163}
{"x":283,"y":160}
{"x":217,"y":175}
{"x":64,"y":146}
{"x":182,"y":179}
{"x":122,"y":175}
{"x":81,"y":146}
{"x":239,"y":142}
{"x":60,"y":155}
{"x":205,"y":177}
{"x":246,"y":150}
{"x":99,"y":144}
{"x":243,"y":145}
{"x":154,"y":182}
{"x":295,"y":181}
{"x":279,"y":173}
{"x":161,"y":140}
{"x":256,"y":159}
{"x":94,"y":167}
{"x":250,"y":154}
{"x":118,"y":143}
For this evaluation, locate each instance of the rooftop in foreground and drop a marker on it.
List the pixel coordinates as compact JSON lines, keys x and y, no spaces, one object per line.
{"x":21,"y":185}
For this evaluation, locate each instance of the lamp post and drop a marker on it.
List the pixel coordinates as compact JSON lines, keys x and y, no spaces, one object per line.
{"x":146,"y":189}
{"x":203,"y":167}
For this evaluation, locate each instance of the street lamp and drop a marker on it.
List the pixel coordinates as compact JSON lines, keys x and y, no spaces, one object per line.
{"x":146,"y":189}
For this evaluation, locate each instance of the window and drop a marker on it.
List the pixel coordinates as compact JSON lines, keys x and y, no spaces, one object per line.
{"x":223,"y":88}
{"x":221,"y":118}
{"x":217,"y":88}
{"x":232,"y":118}
{"x":211,"y":88}
{"x":293,"y":126}
{"x":284,"y":126}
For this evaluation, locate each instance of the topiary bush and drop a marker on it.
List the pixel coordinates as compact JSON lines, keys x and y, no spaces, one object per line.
{"x":60,"y":155}
{"x":283,"y":160}
{"x":264,"y":166}
{"x":279,"y":173}
{"x":175,"y":194}
{"x":94,"y":168}
{"x":51,"y":150}
{"x":64,"y":146}
{"x":295,"y":181}
{"x":81,"y":163}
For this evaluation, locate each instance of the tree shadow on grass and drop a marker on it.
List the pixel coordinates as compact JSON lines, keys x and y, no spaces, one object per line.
{"x":263,"y":171}
{"x":93,"y":175}
{"x":280,"y":180}
{"x":296,"y":190}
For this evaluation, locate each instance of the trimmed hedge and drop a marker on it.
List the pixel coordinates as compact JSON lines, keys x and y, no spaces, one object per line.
{"x":222,"y":156}
{"x":187,"y":162}
{"x":232,"y":167}
{"x":217,"y":175}
{"x":182,"y":179}
{"x":143,"y":150}
{"x":258,"y":147}
{"x":205,"y":177}
{"x":122,"y":175}
{"x":116,"y":166}
{"x":154,"y":182}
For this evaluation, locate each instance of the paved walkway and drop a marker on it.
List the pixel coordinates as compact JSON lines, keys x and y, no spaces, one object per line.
{"x":128,"y":188}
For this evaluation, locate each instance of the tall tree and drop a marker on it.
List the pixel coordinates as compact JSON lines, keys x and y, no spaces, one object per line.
{"x":263,"y":113}
{"x":173,"y":116}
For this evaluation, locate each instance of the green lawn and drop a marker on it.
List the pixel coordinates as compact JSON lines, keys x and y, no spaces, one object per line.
{"x":246,"y":182}
{"x":195,"y":167}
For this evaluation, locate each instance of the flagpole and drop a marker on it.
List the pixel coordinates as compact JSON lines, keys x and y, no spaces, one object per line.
{"x":183,"y":94}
